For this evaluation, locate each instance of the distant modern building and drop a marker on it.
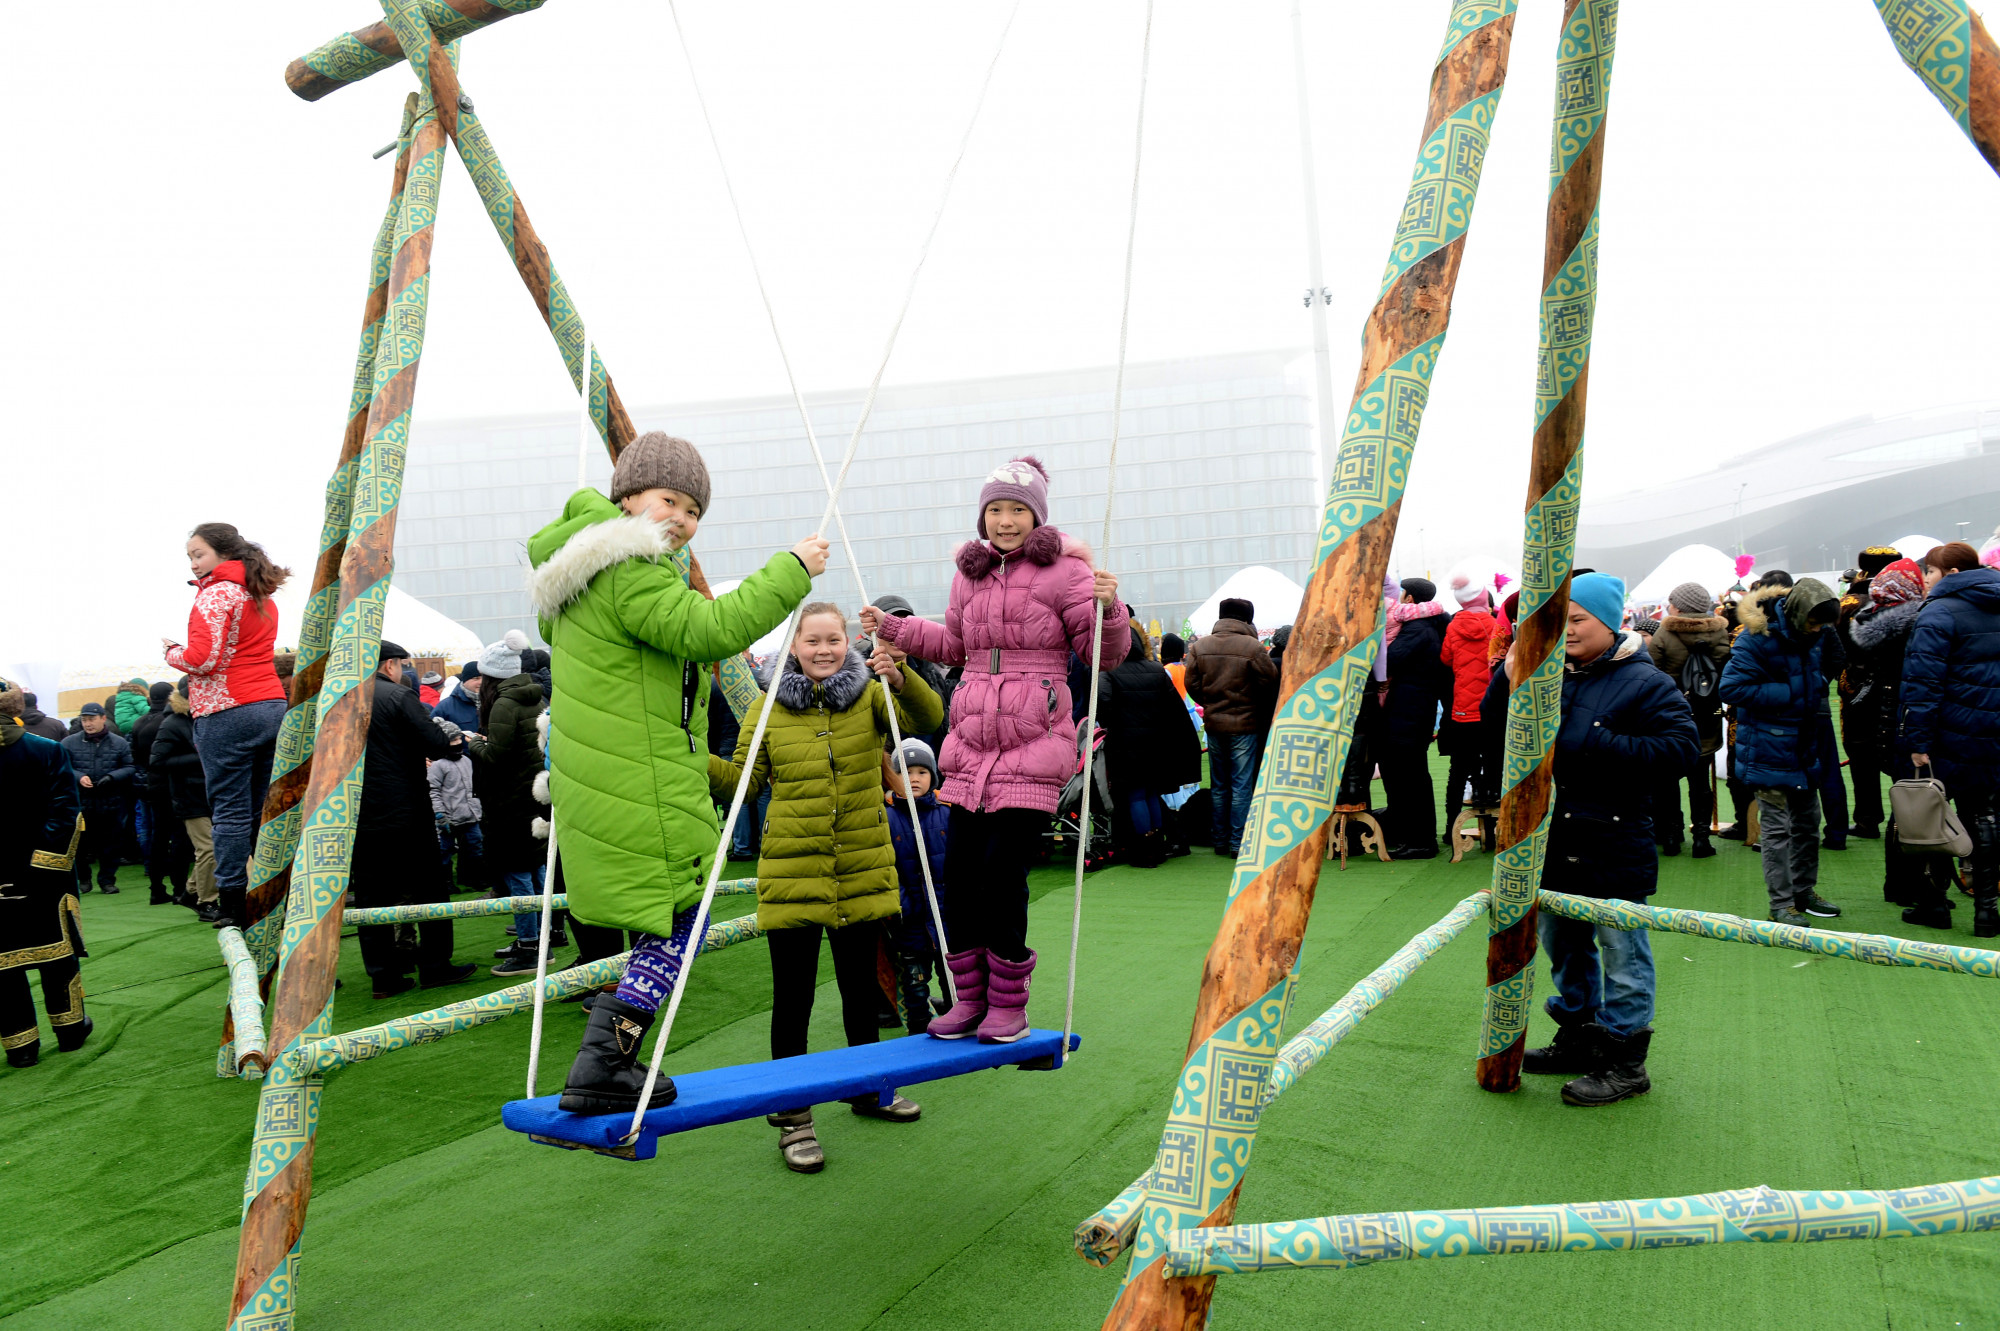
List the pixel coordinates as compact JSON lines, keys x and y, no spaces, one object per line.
{"x":1814,"y":501}
{"x":1216,"y":471}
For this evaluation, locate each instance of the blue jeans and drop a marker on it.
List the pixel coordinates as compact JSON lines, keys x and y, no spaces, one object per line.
{"x":748,"y":832}
{"x":526,"y":883}
{"x":470,"y":843}
{"x":1618,"y":995}
{"x":1232,"y":777}
{"x":237,"y":746}
{"x":1143,"y":808}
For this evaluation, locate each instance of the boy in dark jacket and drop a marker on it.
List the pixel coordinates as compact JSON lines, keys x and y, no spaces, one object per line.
{"x":915,"y":941}
{"x":175,"y":764}
{"x":1624,"y":726}
{"x":1776,"y":683}
{"x":1951,"y":707}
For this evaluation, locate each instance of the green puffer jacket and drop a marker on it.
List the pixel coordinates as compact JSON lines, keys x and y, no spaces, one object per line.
{"x":827,"y":858}
{"x":628,"y":726}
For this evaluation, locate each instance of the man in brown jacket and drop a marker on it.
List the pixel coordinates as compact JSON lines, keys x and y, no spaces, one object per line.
{"x":1235,"y":682}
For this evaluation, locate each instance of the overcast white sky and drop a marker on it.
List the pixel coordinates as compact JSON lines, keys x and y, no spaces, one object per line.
{"x":1794,"y":234}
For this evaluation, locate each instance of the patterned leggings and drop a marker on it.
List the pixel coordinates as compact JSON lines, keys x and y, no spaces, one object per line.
{"x":656,"y":963}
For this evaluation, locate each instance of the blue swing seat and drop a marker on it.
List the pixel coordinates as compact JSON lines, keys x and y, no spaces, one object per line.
{"x":747,"y":1090}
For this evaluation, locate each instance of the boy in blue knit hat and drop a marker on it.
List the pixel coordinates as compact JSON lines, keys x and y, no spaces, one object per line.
{"x":1625,"y":727}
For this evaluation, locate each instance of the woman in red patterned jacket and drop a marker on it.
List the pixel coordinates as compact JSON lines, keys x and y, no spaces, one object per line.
{"x":1461,"y":737}
{"x":234,"y":693}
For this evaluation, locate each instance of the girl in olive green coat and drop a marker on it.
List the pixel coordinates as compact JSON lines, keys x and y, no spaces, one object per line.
{"x":629,"y":639}
{"x":827,"y":865}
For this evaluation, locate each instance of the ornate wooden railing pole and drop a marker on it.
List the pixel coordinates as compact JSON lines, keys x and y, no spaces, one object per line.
{"x":356,"y":55}
{"x":279,"y":1183}
{"x":1555,"y":486}
{"x":1944,"y":44}
{"x":1247,"y":980}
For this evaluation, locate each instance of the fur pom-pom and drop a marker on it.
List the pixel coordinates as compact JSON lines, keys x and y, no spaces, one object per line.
{"x":1044,"y":546}
{"x":515,"y":639}
{"x":540,"y":827}
{"x":542,"y":727}
{"x":1035,"y":462}
{"x":542,"y":787}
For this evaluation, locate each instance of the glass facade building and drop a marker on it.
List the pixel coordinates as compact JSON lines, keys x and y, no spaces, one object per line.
{"x":1216,"y":471}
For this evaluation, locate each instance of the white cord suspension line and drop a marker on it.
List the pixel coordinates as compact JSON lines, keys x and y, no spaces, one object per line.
{"x":585,"y":433}
{"x":1110,"y":489}
{"x":805,"y":415}
{"x":666,"y":1022}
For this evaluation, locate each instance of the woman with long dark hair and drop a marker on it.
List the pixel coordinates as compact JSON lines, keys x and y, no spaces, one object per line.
{"x":234,"y":693}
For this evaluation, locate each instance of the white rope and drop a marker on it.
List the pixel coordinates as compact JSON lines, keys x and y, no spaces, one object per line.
{"x":805,"y":415}
{"x":584,"y":435}
{"x":832,"y":513}
{"x":1110,"y":490}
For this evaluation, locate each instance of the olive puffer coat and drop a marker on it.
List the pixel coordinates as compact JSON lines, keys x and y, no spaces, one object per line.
{"x":1012,"y":622}
{"x":827,"y":857}
{"x":628,"y":750}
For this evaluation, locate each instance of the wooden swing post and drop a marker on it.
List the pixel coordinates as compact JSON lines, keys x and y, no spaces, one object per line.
{"x":1247,"y":981}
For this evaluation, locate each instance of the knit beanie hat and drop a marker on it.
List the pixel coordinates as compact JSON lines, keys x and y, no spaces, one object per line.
{"x":916,"y":753}
{"x":659,"y":460}
{"x":1691,"y":598}
{"x":470,"y":670}
{"x":893,"y":604}
{"x":1172,"y":648}
{"x":1602,"y":595}
{"x":1419,"y":590}
{"x":1023,"y":479}
{"x":1899,"y":582}
{"x":502,"y":659}
{"x":1876,"y":558}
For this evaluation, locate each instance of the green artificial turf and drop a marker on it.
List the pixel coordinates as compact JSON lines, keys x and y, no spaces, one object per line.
{"x":121,"y":1166}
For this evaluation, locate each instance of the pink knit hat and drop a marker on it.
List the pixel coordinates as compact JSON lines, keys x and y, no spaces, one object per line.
{"x":1023,"y":479}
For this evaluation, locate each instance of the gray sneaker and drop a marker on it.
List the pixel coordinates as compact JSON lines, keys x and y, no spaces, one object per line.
{"x":1786,"y":915}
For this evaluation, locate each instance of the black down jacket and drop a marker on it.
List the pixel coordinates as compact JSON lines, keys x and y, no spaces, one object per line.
{"x":1150,"y":741}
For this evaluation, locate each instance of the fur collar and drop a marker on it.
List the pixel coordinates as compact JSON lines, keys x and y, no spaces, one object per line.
{"x":1044,"y":546}
{"x":842,"y":689}
{"x":1876,"y":625}
{"x":1754,"y":611}
{"x":566,"y":574}
{"x":1694,"y":624}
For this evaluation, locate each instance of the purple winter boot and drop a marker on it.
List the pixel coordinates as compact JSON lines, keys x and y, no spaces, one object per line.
{"x":968,"y":977}
{"x":1006,"y":999}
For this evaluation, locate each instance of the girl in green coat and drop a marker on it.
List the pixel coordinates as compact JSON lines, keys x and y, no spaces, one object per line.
{"x":629,"y":639}
{"x":827,"y":864}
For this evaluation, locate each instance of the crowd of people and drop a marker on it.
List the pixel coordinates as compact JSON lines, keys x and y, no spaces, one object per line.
{"x":620,"y":742}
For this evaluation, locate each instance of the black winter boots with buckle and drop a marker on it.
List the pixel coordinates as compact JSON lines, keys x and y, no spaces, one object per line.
{"x":1621,"y":1069}
{"x":1573,"y":1051}
{"x":610,"y":1069}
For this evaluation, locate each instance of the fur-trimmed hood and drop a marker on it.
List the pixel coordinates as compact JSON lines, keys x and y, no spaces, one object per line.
{"x":1044,"y":546}
{"x":843,"y":688}
{"x":1687,"y":625}
{"x":1877,"y":625}
{"x":1754,"y":612}
{"x":563,"y":575}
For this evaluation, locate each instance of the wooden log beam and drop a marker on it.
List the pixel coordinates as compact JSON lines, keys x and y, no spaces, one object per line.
{"x":1947,"y":46}
{"x":354,"y":56}
{"x":278,"y":1186}
{"x":1555,"y":485}
{"x":1247,"y":979}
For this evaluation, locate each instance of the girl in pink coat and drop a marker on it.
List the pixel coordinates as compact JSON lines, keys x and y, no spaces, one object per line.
{"x":1021,"y":602}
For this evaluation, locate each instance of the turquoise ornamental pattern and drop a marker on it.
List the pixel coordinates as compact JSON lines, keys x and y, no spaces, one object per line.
{"x":1748,"y":1215}
{"x":1568,"y":313}
{"x":1934,"y":38}
{"x":348,"y":59}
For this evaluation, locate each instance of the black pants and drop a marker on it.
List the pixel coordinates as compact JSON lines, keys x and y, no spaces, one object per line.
{"x":795,"y":975}
{"x":62,"y":999}
{"x":1462,"y":740}
{"x":1864,"y":768}
{"x":400,"y":866}
{"x":103,"y":840}
{"x":1668,"y":829}
{"x":1406,"y":782}
{"x":986,"y":879}
{"x":1980,"y":812}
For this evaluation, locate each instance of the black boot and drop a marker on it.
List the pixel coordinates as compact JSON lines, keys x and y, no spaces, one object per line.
{"x":25,"y":1055}
{"x":1621,"y":1072}
{"x":1703,"y":847}
{"x":1936,"y":915}
{"x":1572,"y":1051}
{"x":914,"y":980}
{"x":1986,"y":913}
{"x":1149,"y":851}
{"x":610,"y":1071}
{"x":161,"y":896}
{"x":70,"y":1038}
{"x":229,"y":904}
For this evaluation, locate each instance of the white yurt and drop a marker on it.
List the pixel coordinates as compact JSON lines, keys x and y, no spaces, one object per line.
{"x":409,"y":623}
{"x":1275,"y":596}
{"x":1916,"y":547}
{"x":1691,"y":563}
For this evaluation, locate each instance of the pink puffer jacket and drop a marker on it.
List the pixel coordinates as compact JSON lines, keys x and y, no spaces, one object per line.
{"x":1012,"y":623}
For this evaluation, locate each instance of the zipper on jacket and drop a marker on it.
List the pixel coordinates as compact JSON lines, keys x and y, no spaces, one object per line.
{"x":1051,"y":727}
{"x":687,"y":702}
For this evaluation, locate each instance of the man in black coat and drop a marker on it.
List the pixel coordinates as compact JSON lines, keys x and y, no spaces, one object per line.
{"x":175,"y":767}
{"x":1624,"y":727}
{"x":38,"y":722}
{"x":1150,"y":748}
{"x":1419,"y":682}
{"x":102,"y":761}
{"x":162,"y":832}
{"x":39,"y":830}
{"x":396,"y":859}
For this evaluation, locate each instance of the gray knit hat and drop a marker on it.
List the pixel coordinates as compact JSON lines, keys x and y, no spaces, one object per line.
{"x":657,"y":458}
{"x":916,"y":753}
{"x":1691,"y":598}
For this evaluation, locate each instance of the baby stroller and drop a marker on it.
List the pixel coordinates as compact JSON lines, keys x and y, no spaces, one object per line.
{"x":1070,"y":805}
